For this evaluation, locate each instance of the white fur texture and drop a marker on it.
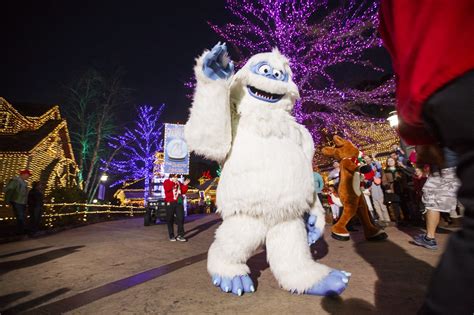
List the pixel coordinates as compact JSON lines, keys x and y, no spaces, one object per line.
{"x":267,"y":173}
{"x":266,"y":182}
{"x":290,"y":258}
{"x":208,"y":129}
{"x":318,"y":211}
{"x":236,"y":240}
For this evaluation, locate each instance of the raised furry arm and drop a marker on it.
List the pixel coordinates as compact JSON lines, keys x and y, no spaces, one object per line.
{"x":208,"y":130}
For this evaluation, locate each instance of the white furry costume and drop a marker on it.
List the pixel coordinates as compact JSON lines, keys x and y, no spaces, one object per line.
{"x":266,"y":183}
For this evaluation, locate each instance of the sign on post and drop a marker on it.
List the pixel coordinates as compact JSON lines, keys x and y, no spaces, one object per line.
{"x":176,"y":150}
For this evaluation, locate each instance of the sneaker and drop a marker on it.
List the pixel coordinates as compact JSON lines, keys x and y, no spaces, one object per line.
{"x":172,"y":239}
{"x":181,"y":239}
{"x":423,"y":240}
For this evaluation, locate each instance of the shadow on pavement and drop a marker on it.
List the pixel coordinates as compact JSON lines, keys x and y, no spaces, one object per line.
{"x":8,"y":266}
{"x":89,"y":296}
{"x":201,"y":228}
{"x":401,"y":285}
{"x":413,"y":231}
{"x":339,"y":306}
{"x":257,"y":264}
{"x":410,"y":231}
{"x":12,"y":297}
{"x":22,"y":307}
{"x":23,"y":251}
{"x":194,"y":217}
{"x":319,"y":249}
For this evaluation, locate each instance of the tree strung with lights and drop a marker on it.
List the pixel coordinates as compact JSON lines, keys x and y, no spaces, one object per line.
{"x":317,"y":37}
{"x":92,"y":101}
{"x":137,"y":147}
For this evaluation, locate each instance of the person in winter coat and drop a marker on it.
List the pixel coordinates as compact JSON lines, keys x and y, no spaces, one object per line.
{"x":16,"y":194}
{"x":35,"y":206}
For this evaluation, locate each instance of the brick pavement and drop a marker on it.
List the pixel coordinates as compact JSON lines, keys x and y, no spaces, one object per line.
{"x":122,"y":267}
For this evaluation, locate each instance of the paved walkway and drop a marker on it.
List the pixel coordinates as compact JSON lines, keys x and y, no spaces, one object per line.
{"x":122,"y":267}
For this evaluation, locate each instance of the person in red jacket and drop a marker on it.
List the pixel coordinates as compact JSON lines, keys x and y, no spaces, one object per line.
{"x":174,"y":191}
{"x":432,"y":49}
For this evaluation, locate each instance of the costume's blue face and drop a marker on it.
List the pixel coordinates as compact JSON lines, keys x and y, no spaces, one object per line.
{"x":266,"y":70}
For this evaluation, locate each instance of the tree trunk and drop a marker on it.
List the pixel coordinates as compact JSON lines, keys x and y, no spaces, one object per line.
{"x":93,"y":159}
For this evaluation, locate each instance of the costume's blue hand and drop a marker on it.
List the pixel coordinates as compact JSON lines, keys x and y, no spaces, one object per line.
{"x":313,"y":232}
{"x":217,"y":63}
{"x":333,"y":284}
{"x":237,"y":285}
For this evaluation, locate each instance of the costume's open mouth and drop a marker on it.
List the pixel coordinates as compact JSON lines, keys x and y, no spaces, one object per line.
{"x":264,"y":96}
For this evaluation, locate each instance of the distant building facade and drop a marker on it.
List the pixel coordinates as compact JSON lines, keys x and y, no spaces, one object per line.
{"x":35,"y":137}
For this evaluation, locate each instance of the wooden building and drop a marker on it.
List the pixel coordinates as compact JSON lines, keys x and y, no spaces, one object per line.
{"x":35,"y":137}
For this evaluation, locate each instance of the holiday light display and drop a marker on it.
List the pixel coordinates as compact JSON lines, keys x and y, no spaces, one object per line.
{"x":57,"y":214}
{"x":39,"y":143}
{"x":135,"y":159}
{"x":317,"y":38}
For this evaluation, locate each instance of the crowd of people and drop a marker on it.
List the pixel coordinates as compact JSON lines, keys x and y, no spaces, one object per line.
{"x":401,"y":192}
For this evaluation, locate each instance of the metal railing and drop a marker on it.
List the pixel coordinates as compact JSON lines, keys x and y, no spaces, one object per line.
{"x":60,"y":214}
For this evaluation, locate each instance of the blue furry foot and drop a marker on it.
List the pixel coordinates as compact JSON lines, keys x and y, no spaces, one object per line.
{"x":238,"y":285}
{"x":333,"y":284}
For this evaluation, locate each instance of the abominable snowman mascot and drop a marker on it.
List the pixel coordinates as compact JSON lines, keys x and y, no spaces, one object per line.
{"x":243,"y":121}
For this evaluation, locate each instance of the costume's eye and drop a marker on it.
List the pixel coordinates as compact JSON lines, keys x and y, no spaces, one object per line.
{"x":264,"y":69}
{"x":278,"y":75}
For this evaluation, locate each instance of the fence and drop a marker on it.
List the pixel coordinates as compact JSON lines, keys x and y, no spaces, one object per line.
{"x":63,"y":214}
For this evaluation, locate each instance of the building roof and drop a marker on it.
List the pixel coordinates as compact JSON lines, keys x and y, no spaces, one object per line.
{"x":134,"y":184}
{"x":206,"y":184}
{"x":134,"y":194}
{"x":24,"y":141}
{"x":31,"y":109}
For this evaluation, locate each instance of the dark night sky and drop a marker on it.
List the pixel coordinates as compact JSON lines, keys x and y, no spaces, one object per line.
{"x":45,"y":44}
{"x":48,"y":43}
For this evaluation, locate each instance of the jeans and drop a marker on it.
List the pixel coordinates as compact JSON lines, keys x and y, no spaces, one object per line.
{"x":173,"y":209}
{"x":381,"y":210}
{"x":19,"y":211}
{"x":449,"y":113}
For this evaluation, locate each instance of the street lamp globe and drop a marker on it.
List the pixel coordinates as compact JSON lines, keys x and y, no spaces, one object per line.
{"x":104,"y":177}
{"x":393,"y":119}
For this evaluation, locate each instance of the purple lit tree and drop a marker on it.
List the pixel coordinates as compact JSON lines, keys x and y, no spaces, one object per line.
{"x":135,"y":148}
{"x":318,"y":38}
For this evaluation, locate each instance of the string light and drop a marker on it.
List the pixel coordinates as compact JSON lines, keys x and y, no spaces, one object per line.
{"x":51,"y":159}
{"x":135,"y":160}
{"x":316,"y":38}
{"x":53,"y":212}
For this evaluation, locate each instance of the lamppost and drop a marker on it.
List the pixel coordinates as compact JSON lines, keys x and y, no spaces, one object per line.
{"x":103,"y":178}
{"x":393,"y":122}
{"x":393,"y":119}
